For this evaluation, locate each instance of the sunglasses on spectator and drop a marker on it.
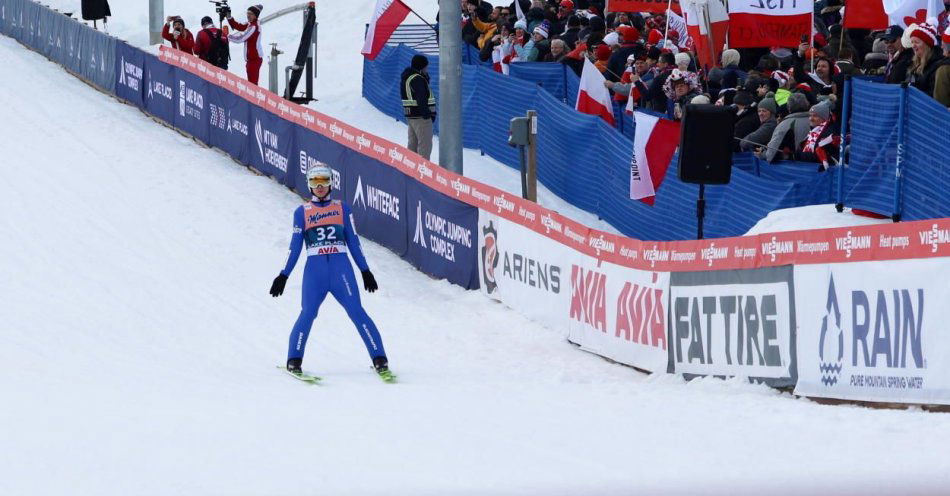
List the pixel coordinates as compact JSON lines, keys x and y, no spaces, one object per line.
{"x":316,"y":182}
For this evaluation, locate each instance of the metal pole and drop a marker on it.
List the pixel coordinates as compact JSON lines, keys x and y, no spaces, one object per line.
{"x":156,"y":20}
{"x":899,"y":163}
{"x":316,"y":27}
{"x":524,"y":172}
{"x":531,"y":174}
{"x":450,"y":86}
{"x":845,"y":121}
{"x":309,"y":66}
{"x":700,"y":210}
{"x":273,"y":69}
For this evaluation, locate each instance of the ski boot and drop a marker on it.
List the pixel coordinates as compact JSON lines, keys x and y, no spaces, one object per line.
{"x":381,"y":364}
{"x":293,"y":365}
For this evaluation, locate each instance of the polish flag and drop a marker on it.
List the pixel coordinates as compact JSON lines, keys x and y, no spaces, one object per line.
{"x":678,"y":24}
{"x":906,"y":12}
{"x":501,"y":57}
{"x":865,"y":14}
{"x":707,"y":43}
{"x":386,"y":18}
{"x":766,"y":23}
{"x":593,"y":97}
{"x":654,"y":142}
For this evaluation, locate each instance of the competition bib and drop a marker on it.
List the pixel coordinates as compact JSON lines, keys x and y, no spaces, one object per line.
{"x":323,"y":229}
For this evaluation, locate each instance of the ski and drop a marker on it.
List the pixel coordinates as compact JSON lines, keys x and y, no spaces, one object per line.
{"x":387,"y":376}
{"x":303,"y":376}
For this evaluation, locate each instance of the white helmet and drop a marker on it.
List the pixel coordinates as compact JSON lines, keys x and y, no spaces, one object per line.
{"x":320,"y":175}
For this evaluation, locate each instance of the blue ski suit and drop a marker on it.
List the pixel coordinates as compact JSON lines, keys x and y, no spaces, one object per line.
{"x":325,"y":229}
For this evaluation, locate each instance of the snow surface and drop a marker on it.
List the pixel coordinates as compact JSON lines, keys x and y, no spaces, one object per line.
{"x":138,"y":348}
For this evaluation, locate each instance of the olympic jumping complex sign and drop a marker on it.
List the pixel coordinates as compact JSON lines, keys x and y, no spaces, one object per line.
{"x":852,"y":313}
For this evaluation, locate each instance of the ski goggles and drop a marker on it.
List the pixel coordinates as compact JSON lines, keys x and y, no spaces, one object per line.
{"x":316,"y":182}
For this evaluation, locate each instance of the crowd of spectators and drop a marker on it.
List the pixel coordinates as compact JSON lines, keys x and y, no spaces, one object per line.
{"x":788,"y":100}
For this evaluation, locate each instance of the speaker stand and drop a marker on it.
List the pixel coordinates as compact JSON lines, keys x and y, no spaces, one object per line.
{"x":700,"y":210}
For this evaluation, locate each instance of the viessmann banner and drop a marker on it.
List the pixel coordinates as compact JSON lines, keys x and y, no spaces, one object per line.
{"x":874,"y":331}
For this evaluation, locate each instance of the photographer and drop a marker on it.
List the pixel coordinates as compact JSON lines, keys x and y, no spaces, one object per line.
{"x":251,"y":37}
{"x":175,"y":32}
{"x":212,"y":44}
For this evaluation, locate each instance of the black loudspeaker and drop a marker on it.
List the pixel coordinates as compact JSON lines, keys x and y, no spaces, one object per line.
{"x":706,"y":140}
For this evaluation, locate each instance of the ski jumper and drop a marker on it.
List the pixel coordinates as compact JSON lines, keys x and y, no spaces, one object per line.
{"x":325,"y":228}
{"x":251,"y":37}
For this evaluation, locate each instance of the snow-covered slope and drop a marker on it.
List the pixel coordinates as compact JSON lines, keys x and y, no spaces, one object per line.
{"x":138,"y":348}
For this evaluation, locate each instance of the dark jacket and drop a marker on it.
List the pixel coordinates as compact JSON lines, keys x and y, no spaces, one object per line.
{"x":747,"y":121}
{"x":570,"y":37}
{"x":926,"y":81}
{"x":653,"y":94}
{"x":618,"y":60}
{"x":896,"y":70}
{"x":417,"y":99}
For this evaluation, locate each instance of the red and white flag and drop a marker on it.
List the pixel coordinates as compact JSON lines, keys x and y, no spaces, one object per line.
{"x":388,"y":15}
{"x":906,"y":12}
{"x":678,"y":24}
{"x":865,"y":14}
{"x":501,"y":57}
{"x":708,"y":33}
{"x":654,"y":6}
{"x":518,"y":11}
{"x":769,"y":23}
{"x":654,"y":142}
{"x":593,"y":97}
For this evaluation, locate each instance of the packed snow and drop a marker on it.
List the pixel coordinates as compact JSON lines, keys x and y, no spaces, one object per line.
{"x":138,"y":348}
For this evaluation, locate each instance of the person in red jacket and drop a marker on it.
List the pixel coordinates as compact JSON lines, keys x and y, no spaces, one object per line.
{"x":250,"y":35}
{"x":177,"y":35}
{"x":211,"y":44}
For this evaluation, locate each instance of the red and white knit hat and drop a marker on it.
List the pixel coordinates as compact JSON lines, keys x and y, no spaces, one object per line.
{"x":925,"y":32}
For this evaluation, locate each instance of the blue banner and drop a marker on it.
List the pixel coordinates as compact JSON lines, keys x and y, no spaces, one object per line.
{"x":130,"y":74}
{"x":271,"y":143}
{"x":159,"y":89}
{"x":441,"y":235}
{"x":377,"y":194}
{"x":69,"y":51}
{"x":98,"y":58}
{"x":229,"y":123}
{"x":309,"y":149}
{"x":192,"y":107}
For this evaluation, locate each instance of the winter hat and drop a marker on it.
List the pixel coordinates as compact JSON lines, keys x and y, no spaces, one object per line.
{"x":597,"y":24}
{"x":682,"y":59}
{"x":797,"y":102}
{"x":653,"y":53}
{"x":573,"y":22}
{"x":419,"y":62}
{"x":612,"y":39}
{"x":206,"y":20}
{"x":673,"y":35}
{"x":822,"y":110}
{"x":927,"y":33}
{"x":602,"y":52}
{"x":770,"y":105}
{"x":256,"y":9}
{"x":654,"y":37}
{"x":521,"y":24}
{"x":743,"y":98}
{"x":730,"y":57}
{"x":781,"y":77}
{"x":628,"y":33}
{"x":631,"y":58}
{"x":567,"y":4}
{"x":700,"y":100}
{"x":542,"y":30}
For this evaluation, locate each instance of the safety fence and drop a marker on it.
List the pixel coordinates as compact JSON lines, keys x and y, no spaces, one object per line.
{"x":584,"y":161}
{"x":807,"y":309}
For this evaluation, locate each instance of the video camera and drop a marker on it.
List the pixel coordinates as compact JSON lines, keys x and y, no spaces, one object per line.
{"x":222,"y":8}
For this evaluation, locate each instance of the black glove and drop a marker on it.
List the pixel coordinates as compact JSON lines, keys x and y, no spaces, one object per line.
{"x":369,"y":282}
{"x":277,"y":288}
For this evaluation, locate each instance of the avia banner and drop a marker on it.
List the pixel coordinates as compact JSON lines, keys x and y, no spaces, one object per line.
{"x":871,"y":337}
{"x":734,"y":323}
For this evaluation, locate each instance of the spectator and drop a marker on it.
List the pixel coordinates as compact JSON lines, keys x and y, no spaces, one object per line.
{"x":942,"y":79}
{"x":927,"y":59}
{"x":747,"y":120}
{"x":251,"y":37}
{"x":767,"y":111}
{"x":602,"y":54}
{"x":175,"y":32}
{"x":845,"y":64}
{"x":779,"y":85}
{"x":418,"y":104}
{"x":629,"y":44}
{"x":212,"y":44}
{"x":565,"y":12}
{"x":819,"y":145}
{"x":558,"y":51}
{"x":537,"y":48}
{"x":486,"y":30}
{"x":520,"y":39}
{"x":790,"y":132}
{"x":899,"y":57}
{"x":653,"y":95}
{"x":683,"y":93}
{"x":570,"y":35}
{"x":691,"y":78}
{"x":732,"y":76}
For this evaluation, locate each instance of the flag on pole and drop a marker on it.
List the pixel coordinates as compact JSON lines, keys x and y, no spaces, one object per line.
{"x":767,"y":23}
{"x":386,"y":18}
{"x":865,"y":14}
{"x":654,"y":142}
{"x":678,"y":24}
{"x":903,"y":13}
{"x":593,"y":97}
{"x":707,"y":32}
{"x":518,"y":10}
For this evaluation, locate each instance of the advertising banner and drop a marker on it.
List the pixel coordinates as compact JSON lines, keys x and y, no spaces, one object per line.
{"x":228,"y":123}
{"x":620,"y":313}
{"x":377,"y":196}
{"x":130,"y":74}
{"x":272,"y":142}
{"x":874,"y":331}
{"x":312,"y":148}
{"x":442,"y":234}
{"x":734,"y":323}
{"x":68,"y":54}
{"x":97,"y":58}
{"x":191,"y":97}
{"x":159,"y":89}
{"x":525,"y":270}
